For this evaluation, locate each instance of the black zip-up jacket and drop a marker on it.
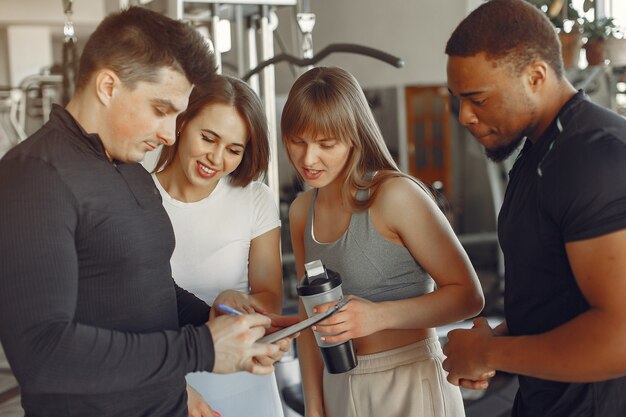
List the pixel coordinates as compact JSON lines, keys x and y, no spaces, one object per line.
{"x":90,"y":318}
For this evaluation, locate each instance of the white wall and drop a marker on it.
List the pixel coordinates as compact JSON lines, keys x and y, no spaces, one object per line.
{"x":4,"y":61}
{"x":35,"y":27}
{"x":36,"y":40}
{"x":415,"y":31}
{"x":49,"y":12}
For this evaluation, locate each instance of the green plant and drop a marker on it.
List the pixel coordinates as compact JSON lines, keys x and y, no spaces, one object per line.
{"x":598,"y":29}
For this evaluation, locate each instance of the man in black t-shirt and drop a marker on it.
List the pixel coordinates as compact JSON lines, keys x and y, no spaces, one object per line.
{"x":562,"y":225}
{"x":90,"y":318}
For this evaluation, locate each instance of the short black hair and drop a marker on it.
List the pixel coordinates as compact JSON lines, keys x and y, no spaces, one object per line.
{"x":511,"y":31}
{"x":137,"y":43}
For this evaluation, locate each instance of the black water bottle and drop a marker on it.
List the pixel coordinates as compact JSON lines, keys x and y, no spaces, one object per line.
{"x":319,"y":286}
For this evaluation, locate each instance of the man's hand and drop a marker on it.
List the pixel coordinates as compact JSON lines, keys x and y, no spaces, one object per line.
{"x":284,"y":345}
{"x":479,"y":384}
{"x":466,"y":359}
{"x":234,"y":340}
{"x":196,"y":405}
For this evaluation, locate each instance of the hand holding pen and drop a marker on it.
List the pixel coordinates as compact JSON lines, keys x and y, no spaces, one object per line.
{"x":278,"y":323}
{"x":228,"y":309}
{"x":284,"y":345}
{"x":234,"y":343}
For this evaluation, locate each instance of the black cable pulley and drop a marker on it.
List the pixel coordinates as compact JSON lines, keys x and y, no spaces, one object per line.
{"x":332,"y":48}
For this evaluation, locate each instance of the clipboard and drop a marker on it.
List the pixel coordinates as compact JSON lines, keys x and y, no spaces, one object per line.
{"x":304,"y":324}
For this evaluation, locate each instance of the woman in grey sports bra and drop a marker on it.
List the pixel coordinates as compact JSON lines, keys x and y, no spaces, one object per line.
{"x":382,"y":231}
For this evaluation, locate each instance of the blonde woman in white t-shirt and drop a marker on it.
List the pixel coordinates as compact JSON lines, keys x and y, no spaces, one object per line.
{"x":227,"y":228}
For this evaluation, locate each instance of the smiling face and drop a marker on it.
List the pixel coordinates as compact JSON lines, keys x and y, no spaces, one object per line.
{"x":140,"y":119}
{"x":211,"y":146}
{"x":319,"y":159}
{"x":494,"y":103}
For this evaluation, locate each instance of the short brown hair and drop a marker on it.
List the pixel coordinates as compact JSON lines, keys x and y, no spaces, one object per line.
{"x":233,"y":92}
{"x":512,"y":31}
{"x":137,"y":43}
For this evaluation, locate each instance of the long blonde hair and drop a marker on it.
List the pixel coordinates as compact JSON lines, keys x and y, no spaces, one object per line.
{"x":330,"y":101}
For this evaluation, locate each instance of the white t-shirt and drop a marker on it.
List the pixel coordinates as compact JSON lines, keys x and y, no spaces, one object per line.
{"x":213,"y":236}
{"x":211,"y":255}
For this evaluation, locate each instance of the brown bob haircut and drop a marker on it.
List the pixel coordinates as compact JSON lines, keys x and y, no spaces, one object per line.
{"x":137,"y":43}
{"x":513,"y":32}
{"x":330,"y":101}
{"x":234,"y":92}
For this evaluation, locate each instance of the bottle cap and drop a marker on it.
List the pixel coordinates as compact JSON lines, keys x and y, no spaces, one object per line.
{"x":317,"y":279}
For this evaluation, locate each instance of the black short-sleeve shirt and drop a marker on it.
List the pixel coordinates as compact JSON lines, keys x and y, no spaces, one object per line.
{"x":569,"y":185}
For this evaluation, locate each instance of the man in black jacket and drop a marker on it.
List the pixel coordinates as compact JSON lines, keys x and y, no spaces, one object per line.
{"x":90,"y":317}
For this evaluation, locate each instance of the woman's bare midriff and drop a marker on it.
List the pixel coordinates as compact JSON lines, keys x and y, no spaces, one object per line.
{"x":390,"y":339}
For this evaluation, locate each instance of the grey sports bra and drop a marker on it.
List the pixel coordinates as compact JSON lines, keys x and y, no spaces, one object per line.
{"x":371,"y":267}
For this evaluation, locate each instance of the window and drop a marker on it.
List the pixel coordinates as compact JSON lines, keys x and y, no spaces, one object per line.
{"x":617,"y":9}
